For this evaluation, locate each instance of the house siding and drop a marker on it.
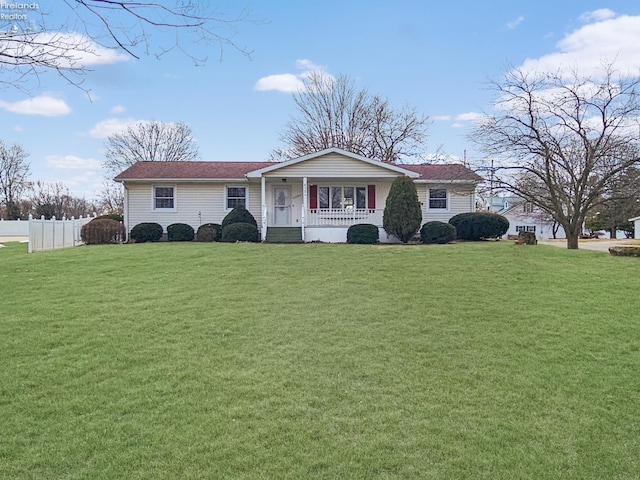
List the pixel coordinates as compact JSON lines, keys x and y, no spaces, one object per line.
{"x":333,"y":166}
{"x":195,"y":203}
{"x":459,"y":200}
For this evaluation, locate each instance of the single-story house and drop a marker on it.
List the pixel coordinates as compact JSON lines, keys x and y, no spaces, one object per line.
{"x":636,"y":226}
{"x":315,"y":197}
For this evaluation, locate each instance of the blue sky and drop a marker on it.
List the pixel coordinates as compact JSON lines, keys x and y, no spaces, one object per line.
{"x":435,"y":57}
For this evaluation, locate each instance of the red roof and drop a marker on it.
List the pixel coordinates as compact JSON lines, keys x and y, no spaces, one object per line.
{"x":445,"y":171}
{"x":238,"y":170}
{"x":189,"y":170}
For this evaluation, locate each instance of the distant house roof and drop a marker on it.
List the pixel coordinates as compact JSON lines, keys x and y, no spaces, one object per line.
{"x":200,"y":171}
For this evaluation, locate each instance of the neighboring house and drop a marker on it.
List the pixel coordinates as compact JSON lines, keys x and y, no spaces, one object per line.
{"x":636,"y":226}
{"x":312,"y":198}
{"x":526,"y":217}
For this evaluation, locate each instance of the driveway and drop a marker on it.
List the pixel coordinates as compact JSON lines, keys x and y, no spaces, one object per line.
{"x":597,"y":245}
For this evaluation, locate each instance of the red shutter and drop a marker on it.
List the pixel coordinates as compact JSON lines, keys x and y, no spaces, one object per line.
{"x":313,"y":197}
{"x":371,"y":197}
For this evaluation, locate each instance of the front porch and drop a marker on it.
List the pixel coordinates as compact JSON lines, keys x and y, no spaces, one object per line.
{"x":318,"y":209}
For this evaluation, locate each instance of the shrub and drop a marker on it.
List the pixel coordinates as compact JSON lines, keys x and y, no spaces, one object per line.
{"x":625,"y":251}
{"x":239,"y":215}
{"x":209,"y":232}
{"x":146,"y":232}
{"x":102,"y":231}
{"x":113,"y":216}
{"x":479,"y":225}
{"x":527,"y":238}
{"x":240,"y":232}
{"x":180,"y":232}
{"x":437,"y":232}
{"x":363,"y":233}
{"x":402,"y":213}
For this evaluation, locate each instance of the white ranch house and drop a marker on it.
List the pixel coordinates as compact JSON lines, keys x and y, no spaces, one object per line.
{"x":312,"y":198}
{"x":636,"y":225}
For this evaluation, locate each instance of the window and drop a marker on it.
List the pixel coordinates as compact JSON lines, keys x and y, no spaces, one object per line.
{"x":438,"y":198}
{"x":526,"y":228}
{"x":527,"y":207}
{"x":164,"y":198}
{"x":236,"y":197}
{"x":342,"y":198}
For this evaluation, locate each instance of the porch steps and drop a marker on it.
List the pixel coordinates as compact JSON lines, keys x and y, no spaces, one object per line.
{"x":284,"y":235}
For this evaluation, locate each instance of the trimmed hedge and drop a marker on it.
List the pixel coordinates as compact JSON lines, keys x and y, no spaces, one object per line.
{"x":209,"y":232}
{"x":363,"y":233}
{"x":240,"y":232}
{"x":437,"y":232}
{"x":180,"y":232}
{"x":113,"y":216}
{"x":479,"y":225}
{"x":100,"y":231}
{"x":239,"y":215}
{"x":146,"y":232}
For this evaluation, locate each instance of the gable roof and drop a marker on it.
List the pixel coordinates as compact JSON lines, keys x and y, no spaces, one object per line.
{"x":208,"y":171}
{"x":328,"y":151}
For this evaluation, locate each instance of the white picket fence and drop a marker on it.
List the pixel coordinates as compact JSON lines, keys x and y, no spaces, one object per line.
{"x":53,"y":234}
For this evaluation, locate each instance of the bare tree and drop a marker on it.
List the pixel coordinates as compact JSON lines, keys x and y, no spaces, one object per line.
{"x":55,"y":200}
{"x":31,"y":43}
{"x":333,"y":113}
{"x":151,"y":142}
{"x":560,"y":142}
{"x":111,"y":199}
{"x":14,"y":177}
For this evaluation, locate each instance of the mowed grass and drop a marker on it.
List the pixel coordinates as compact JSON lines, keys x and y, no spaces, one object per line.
{"x":475,"y":360}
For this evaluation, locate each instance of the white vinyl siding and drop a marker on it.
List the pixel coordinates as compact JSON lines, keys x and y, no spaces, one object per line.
{"x":460,"y":199}
{"x":198,"y":203}
{"x":333,"y":166}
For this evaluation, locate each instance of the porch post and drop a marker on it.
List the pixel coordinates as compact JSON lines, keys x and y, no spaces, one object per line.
{"x":304,"y":205}
{"x":263,"y":193}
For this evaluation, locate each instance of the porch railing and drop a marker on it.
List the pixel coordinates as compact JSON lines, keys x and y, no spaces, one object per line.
{"x":337,"y":217}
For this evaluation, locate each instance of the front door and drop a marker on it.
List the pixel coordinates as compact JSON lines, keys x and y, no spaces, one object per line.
{"x":282,"y":206}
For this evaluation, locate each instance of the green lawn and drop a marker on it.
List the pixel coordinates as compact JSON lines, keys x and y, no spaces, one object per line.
{"x":173,"y":360}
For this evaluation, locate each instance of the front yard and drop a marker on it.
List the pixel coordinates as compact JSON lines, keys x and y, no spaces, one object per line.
{"x":174,"y":360}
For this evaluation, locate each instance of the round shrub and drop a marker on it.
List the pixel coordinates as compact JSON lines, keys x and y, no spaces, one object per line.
{"x":146,"y":232}
{"x":239,"y":215}
{"x":102,"y":231}
{"x":479,"y":225}
{"x":180,"y":232}
{"x":240,"y":232}
{"x":437,"y":232}
{"x":363,"y":233}
{"x":209,"y":232}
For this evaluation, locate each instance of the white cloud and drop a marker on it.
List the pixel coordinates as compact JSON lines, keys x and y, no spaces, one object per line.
{"x":597,"y":15}
{"x":71,"y":162}
{"x":284,"y":82}
{"x":609,"y":40}
{"x":470,"y":117}
{"x":66,"y":50}
{"x":118,"y":109}
{"x":514,"y":23}
{"x":289,"y":82}
{"x":110,"y":126}
{"x":45,"y":105}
